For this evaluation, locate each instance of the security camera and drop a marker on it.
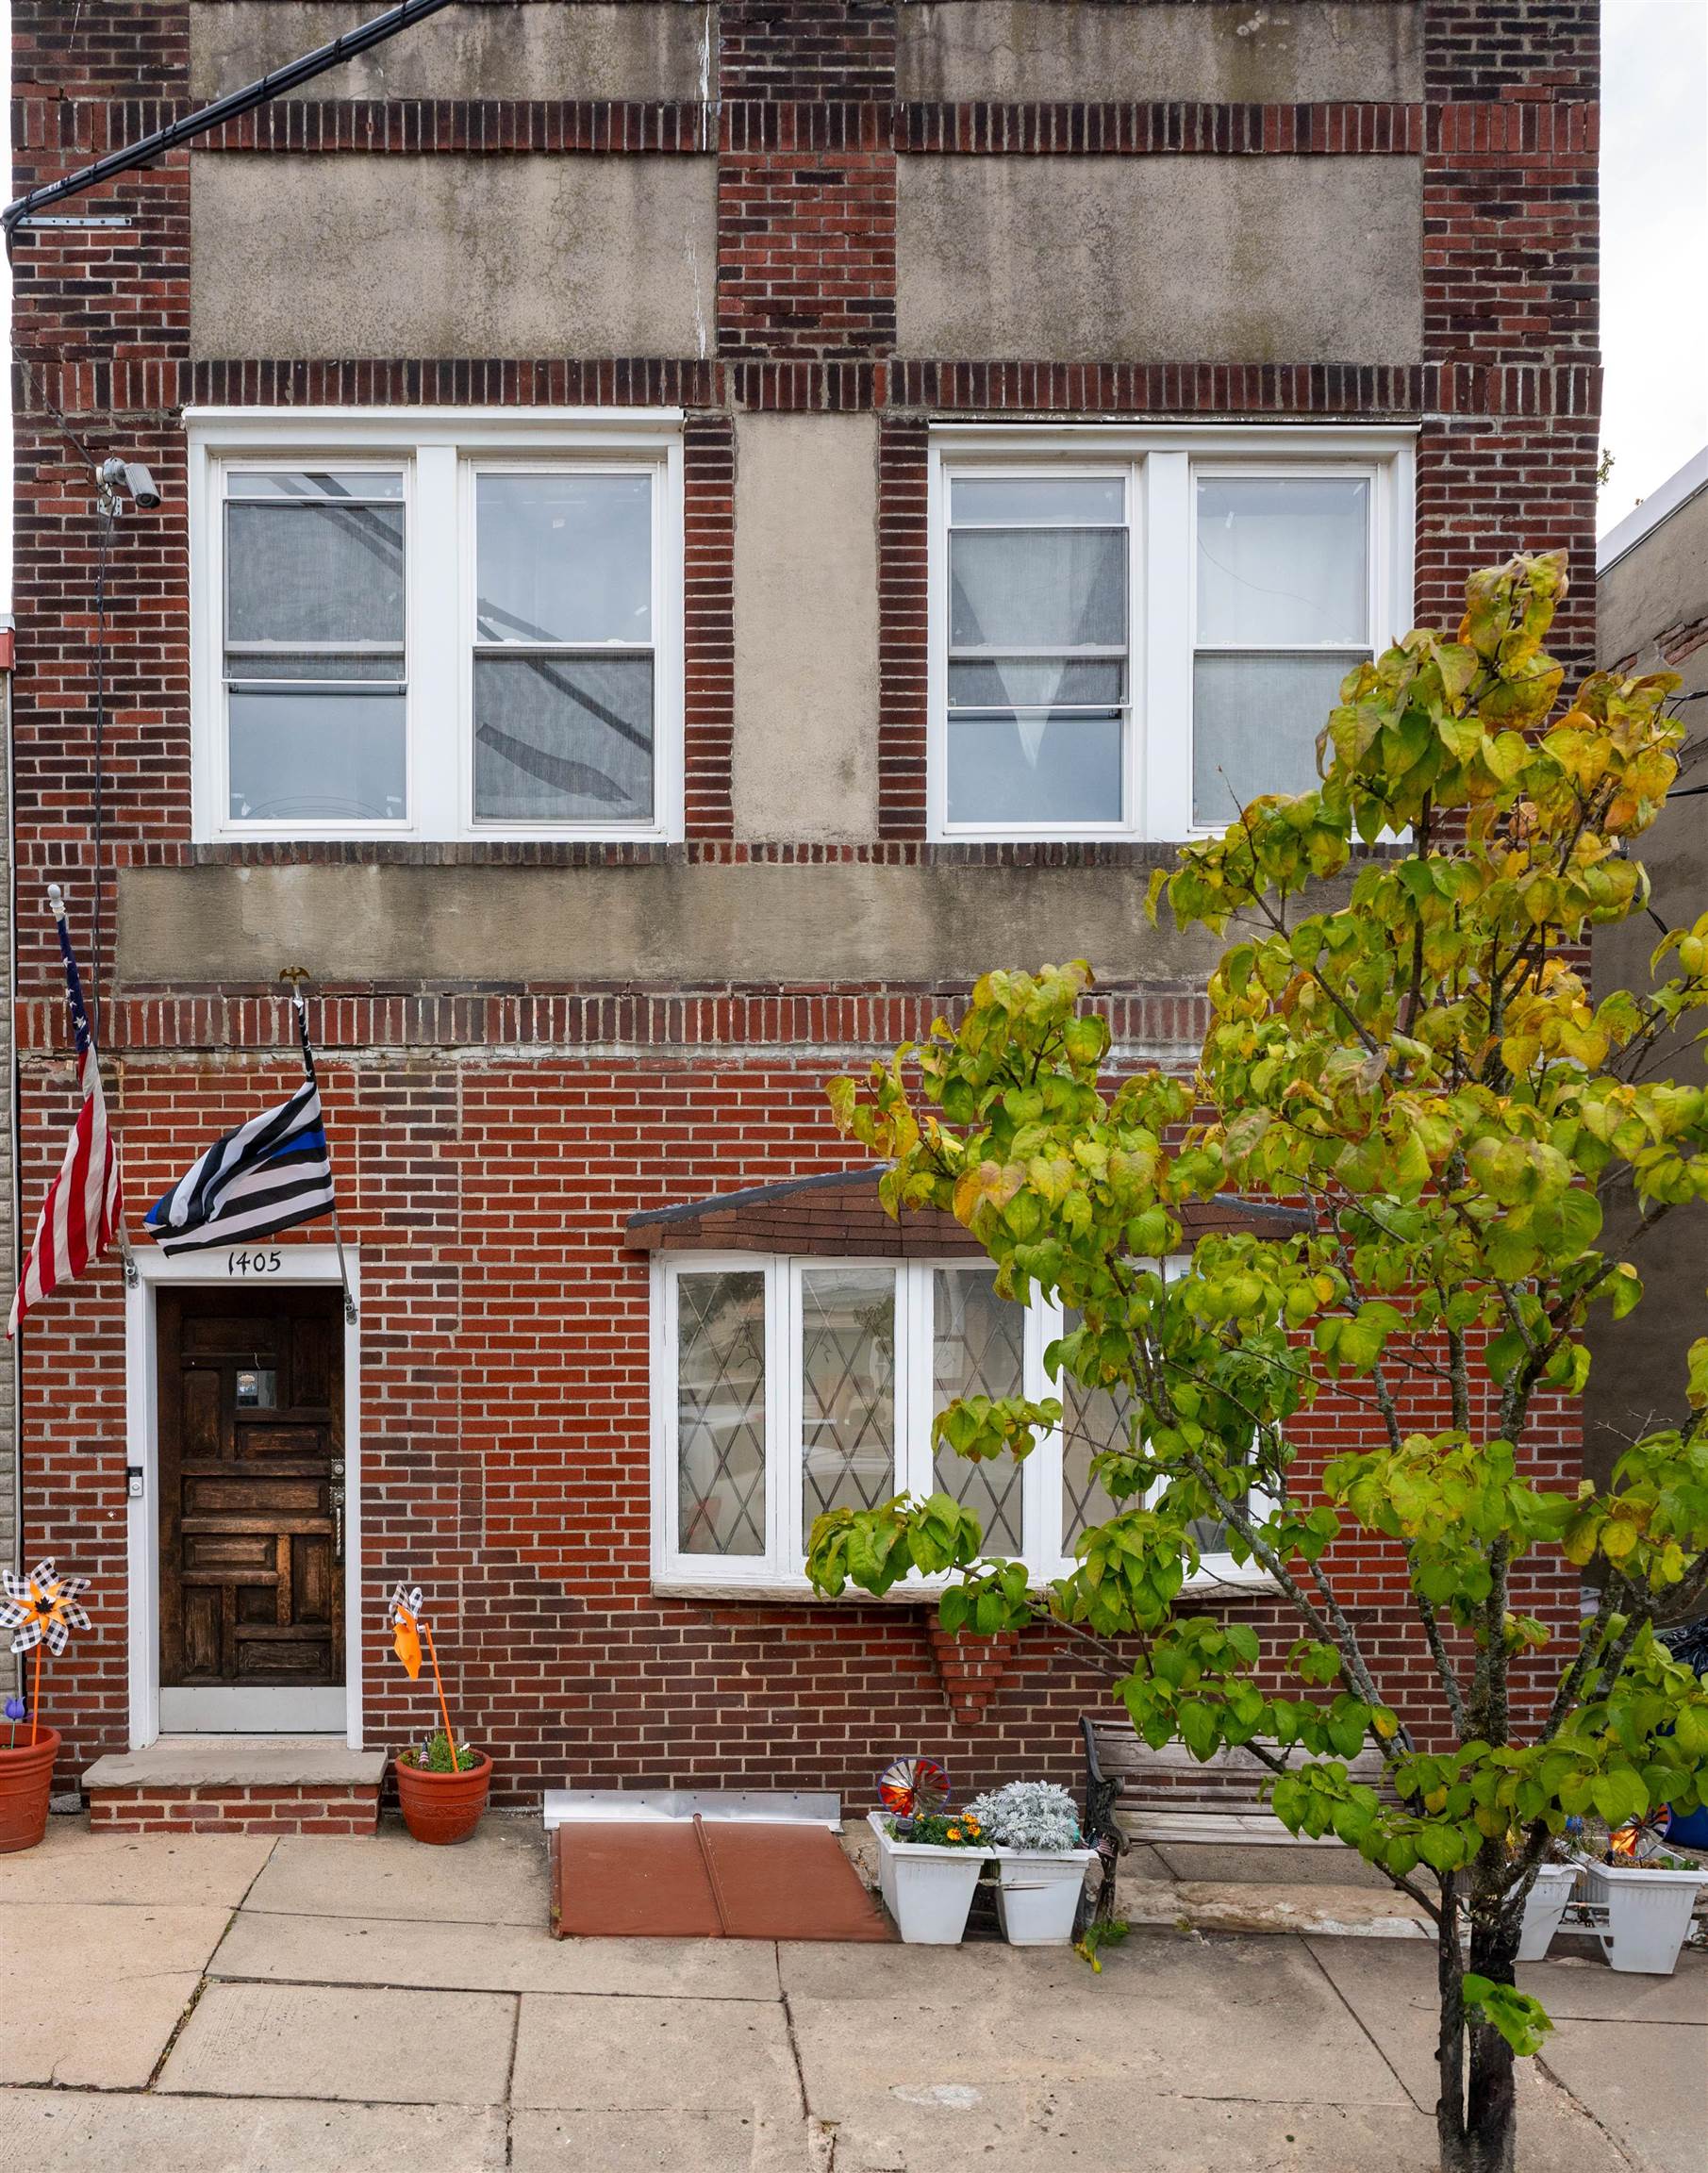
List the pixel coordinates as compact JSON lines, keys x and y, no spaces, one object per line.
{"x":133,"y":478}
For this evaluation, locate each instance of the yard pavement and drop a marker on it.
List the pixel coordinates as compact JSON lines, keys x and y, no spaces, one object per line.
{"x":210,"y":2004}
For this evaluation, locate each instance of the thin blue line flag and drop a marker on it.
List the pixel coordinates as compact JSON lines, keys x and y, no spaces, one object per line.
{"x":268,"y":1175}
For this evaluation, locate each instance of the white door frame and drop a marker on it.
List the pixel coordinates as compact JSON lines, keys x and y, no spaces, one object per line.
{"x":298,"y":1265}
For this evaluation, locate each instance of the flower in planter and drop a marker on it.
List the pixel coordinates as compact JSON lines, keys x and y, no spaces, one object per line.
{"x":1034,"y":1814}
{"x":16,"y":1709}
{"x":941,"y":1830}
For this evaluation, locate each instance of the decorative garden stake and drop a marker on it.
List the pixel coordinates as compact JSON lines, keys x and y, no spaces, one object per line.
{"x":1419,"y":1108}
{"x":907,"y":1785}
{"x":441,"y":1795}
{"x":40,"y":1610}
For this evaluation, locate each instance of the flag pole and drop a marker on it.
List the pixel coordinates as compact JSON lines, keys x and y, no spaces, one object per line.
{"x":296,"y":975}
{"x":56,"y":905}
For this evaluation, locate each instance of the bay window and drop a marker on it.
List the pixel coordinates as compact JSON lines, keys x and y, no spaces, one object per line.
{"x":1134,"y":630}
{"x":784,"y":1389}
{"x":438,"y":626}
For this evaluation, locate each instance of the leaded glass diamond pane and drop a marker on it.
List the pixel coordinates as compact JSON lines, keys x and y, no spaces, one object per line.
{"x":847,"y":1371}
{"x":721,"y":1413}
{"x":1093,"y":1420}
{"x":979,"y":1353}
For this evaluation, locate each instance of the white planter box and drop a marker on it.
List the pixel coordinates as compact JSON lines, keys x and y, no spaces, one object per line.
{"x":1544,"y":1906}
{"x":1647,"y":1913}
{"x":1038,"y":1897}
{"x":927,"y":1890}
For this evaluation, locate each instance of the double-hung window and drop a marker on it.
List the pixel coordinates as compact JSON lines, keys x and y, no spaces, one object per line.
{"x":1136,"y":630}
{"x":415,"y":625}
{"x":1040,"y":667}
{"x":784,"y":1388}
{"x":1283,"y":610}
{"x":564,"y":674}
{"x":315,"y":677}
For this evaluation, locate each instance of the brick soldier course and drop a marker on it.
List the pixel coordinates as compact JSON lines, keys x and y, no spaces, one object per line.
{"x":495,"y":1129}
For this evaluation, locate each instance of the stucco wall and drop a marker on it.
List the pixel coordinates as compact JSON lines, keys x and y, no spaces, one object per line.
{"x":1637,"y":1367}
{"x":451,"y":255}
{"x":805,"y":759}
{"x":1153,"y":259}
{"x":1233,"y":53}
{"x":684,"y":926}
{"x":547,"y":49}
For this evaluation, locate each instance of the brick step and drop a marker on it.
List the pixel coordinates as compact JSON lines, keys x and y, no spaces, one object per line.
{"x":237,"y":1784}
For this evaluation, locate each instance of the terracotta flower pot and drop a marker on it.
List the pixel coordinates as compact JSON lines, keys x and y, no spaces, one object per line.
{"x":443,"y":1807}
{"x":27,"y":1781}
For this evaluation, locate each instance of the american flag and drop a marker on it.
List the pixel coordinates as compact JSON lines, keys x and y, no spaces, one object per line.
{"x":85,"y":1203}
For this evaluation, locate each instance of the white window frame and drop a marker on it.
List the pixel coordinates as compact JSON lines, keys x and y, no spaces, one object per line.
{"x":438,"y":449}
{"x":1162,"y":462}
{"x":780,"y":1571}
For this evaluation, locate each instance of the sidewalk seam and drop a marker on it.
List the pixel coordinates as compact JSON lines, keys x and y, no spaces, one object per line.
{"x":1316,"y":1964}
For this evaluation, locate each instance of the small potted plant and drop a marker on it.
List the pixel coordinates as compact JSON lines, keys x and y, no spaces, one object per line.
{"x":1042,"y":1860}
{"x":1648,"y":1894}
{"x":929,"y":1857}
{"x":442,"y":1785}
{"x":40,"y":1610}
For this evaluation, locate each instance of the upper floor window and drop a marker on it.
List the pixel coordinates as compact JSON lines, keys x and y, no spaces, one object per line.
{"x":784,"y":1389}
{"x":1134,"y":633}
{"x":316,"y":686}
{"x":436,"y":628}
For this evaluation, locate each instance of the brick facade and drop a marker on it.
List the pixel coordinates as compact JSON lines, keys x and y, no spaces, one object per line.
{"x":493,"y":1141}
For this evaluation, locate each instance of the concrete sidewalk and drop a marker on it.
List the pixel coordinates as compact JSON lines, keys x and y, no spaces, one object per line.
{"x":329,"y":2006}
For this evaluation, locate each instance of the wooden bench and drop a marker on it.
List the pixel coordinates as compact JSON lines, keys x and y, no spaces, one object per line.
{"x":1168,"y":1794}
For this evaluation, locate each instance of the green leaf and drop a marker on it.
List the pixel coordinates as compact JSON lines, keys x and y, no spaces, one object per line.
{"x":1519,"y":2017}
{"x":1619,"y":1796}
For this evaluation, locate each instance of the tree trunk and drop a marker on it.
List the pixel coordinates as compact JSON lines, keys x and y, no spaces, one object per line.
{"x":1476,"y":2124}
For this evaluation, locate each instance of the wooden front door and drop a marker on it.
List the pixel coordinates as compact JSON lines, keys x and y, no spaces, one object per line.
{"x":251,"y":1489}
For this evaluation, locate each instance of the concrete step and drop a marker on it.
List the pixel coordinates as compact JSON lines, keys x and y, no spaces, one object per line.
{"x":237,"y":1784}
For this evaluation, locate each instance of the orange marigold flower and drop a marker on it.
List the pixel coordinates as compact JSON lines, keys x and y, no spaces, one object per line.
{"x":955,"y":1833}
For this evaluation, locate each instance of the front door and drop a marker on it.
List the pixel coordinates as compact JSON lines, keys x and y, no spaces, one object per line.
{"x":252,"y":1510}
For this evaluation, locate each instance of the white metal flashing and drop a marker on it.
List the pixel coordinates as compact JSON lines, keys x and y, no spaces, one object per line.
{"x":1642,"y":520}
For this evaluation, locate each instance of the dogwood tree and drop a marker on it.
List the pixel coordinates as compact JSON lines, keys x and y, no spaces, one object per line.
{"x":1403,"y":1047}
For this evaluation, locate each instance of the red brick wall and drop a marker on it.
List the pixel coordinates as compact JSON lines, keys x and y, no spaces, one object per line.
{"x":492,"y":1142}
{"x":505,"y":1438}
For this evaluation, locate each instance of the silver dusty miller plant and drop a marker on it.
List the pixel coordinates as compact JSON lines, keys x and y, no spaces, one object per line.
{"x":1029,"y":1814}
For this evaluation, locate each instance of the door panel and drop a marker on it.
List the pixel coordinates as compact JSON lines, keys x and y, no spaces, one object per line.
{"x":252,"y":1474}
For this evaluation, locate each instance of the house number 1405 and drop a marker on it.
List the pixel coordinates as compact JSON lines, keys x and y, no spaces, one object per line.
{"x":253,"y":1263}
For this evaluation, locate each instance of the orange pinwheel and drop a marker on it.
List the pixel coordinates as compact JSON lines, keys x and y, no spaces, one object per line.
{"x":41,"y":1609}
{"x":405,"y":1628}
{"x":408,"y":1627}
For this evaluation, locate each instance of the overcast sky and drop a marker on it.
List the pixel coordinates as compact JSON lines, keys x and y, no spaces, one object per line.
{"x":1654,"y":242}
{"x":1654,"y":246}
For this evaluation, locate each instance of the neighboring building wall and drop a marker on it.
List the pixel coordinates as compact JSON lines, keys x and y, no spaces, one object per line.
{"x":1652,"y":597}
{"x":10,"y":1538}
{"x":819,"y":230}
